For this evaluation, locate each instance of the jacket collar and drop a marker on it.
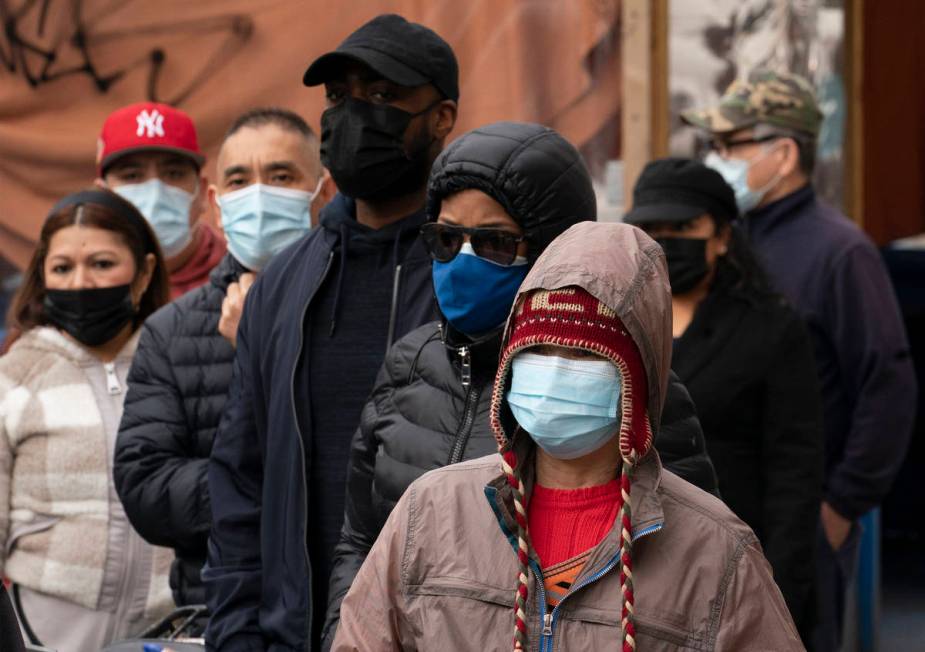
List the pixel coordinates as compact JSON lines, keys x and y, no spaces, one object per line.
{"x":647,"y":512}
{"x":483,"y":351}
{"x":49,"y":339}
{"x":763,"y":220}
{"x":226,"y":272}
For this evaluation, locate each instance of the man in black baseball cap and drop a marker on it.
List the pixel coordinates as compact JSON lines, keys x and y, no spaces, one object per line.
{"x":314,"y":331}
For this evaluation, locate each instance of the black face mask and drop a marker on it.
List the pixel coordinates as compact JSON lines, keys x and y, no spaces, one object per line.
{"x":362,"y":144}
{"x":687,"y":262}
{"x":92,"y":316}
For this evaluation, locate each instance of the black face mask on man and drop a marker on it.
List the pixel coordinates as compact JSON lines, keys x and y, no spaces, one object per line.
{"x":687,"y":262}
{"x":362,"y":144}
{"x":92,"y":316}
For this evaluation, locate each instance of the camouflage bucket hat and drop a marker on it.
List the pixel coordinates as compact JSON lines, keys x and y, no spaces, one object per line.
{"x":772,"y":98}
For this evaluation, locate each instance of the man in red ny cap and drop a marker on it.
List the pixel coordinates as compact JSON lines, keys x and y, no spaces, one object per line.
{"x":148,"y":153}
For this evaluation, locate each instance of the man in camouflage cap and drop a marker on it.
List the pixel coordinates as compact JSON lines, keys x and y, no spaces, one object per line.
{"x":763,"y":134}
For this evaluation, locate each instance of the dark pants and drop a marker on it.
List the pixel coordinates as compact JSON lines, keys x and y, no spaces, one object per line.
{"x":834,"y":571}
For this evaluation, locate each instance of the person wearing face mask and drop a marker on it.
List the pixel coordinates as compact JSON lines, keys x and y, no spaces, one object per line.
{"x":573,"y":537}
{"x":498,"y":196}
{"x":149,"y":153}
{"x":314,"y":331}
{"x":747,"y":361}
{"x":269,"y":171}
{"x":81,"y":576}
{"x":764,"y":132}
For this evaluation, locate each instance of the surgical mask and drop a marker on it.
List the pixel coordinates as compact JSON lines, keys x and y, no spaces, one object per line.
{"x":260,"y":221}
{"x":569,"y":407}
{"x":735,"y":172}
{"x":475,"y":294}
{"x":687,"y":262}
{"x":92,"y":316}
{"x":362,"y":144}
{"x":167,"y":209}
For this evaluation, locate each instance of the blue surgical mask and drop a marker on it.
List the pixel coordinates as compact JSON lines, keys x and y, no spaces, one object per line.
{"x":260,"y":221}
{"x":475,"y":295}
{"x":570,"y":408}
{"x":166,"y":208}
{"x":735,"y":172}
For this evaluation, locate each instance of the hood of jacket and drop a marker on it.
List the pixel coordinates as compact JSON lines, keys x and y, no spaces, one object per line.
{"x":534,"y":173}
{"x":624,"y":269}
{"x":48,"y":340}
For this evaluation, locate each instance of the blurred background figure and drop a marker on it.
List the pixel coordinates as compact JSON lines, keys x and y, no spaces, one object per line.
{"x":82,"y":577}
{"x":746,"y":359}
{"x":764,"y":132}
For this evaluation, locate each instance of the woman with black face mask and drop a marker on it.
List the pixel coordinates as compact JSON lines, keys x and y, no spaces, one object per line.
{"x":81,"y":577}
{"x":497,"y":197}
{"x":746,"y":359}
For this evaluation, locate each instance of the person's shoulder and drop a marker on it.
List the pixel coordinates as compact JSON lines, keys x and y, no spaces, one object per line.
{"x":449,"y":481}
{"x":704,"y":518}
{"x":836,"y":231}
{"x":37,"y":354}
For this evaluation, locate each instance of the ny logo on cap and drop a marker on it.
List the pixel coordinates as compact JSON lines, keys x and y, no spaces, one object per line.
{"x":152,"y":123}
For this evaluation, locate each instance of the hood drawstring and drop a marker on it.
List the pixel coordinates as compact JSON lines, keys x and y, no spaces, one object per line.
{"x":344,"y":238}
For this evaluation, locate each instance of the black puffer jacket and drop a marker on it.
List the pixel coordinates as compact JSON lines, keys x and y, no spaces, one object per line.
{"x":423,"y":414}
{"x":177,"y":388}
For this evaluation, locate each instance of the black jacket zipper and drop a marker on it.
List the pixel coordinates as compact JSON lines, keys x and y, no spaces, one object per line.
{"x":298,"y":429}
{"x":473,"y":393}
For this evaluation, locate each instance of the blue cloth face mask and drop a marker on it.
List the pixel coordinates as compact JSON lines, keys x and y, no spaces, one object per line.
{"x":166,"y":208}
{"x":735,"y":172}
{"x":475,"y":294}
{"x":260,"y":221}
{"x":569,"y":407}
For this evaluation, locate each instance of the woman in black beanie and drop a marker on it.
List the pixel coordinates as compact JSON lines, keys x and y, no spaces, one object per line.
{"x":746,"y":358}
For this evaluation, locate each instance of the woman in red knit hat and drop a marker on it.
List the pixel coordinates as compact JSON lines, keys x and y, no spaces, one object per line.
{"x":605,"y":549}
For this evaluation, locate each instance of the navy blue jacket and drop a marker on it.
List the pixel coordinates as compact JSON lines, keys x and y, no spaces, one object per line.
{"x":834,"y":276}
{"x":258,"y":576}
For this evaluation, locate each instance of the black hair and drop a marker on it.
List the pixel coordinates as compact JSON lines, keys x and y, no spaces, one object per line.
{"x":282,"y":118}
{"x":740,"y":267}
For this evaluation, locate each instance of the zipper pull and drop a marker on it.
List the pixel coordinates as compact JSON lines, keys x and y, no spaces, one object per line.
{"x":466,"y":366}
{"x":547,"y":625}
{"x":112,"y":380}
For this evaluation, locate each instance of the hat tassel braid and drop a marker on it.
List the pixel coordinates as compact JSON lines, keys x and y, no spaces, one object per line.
{"x":509,"y":467}
{"x":626,"y":557}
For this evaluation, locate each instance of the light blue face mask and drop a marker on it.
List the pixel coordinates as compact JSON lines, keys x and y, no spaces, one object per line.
{"x":260,"y":221}
{"x":167,"y":210}
{"x":735,"y":172}
{"x":569,"y":407}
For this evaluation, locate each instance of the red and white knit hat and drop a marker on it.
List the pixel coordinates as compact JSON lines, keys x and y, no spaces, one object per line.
{"x":573,"y":318}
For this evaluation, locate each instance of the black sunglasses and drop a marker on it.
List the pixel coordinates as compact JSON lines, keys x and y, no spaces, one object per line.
{"x":444,"y":241}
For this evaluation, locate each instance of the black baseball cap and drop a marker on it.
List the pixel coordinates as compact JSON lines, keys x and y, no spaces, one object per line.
{"x":678,"y":190}
{"x":406,"y":53}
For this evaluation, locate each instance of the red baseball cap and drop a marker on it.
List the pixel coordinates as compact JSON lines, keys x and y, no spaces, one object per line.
{"x":147,"y":126}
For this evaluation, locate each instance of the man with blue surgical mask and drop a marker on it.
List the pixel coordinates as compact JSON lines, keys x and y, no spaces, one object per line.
{"x":268,"y":189}
{"x":149,"y":153}
{"x":764,"y":133}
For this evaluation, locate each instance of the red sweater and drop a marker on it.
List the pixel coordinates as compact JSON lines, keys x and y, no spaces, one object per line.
{"x":565,"y":523}
{"x":209,"y":252}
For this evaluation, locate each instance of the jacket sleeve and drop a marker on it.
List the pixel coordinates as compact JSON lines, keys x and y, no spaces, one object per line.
{"x":232,"y":575}
{"x":6,"y":469}
{"x":680,"y":442}
{"x":792,"y":454}
{"x":374,"y":615}
{"x":869,"y":338}
{"x":754,"y":617}
{"x":164,"y":491}
{"x":361,"y":519}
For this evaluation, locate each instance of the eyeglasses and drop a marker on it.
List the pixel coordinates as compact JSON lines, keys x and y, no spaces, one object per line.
{"x":444,"y":241}
{"x":719,"y":146}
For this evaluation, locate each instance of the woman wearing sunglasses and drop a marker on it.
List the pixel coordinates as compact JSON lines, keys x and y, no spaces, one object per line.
{"x":498,"y":196}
